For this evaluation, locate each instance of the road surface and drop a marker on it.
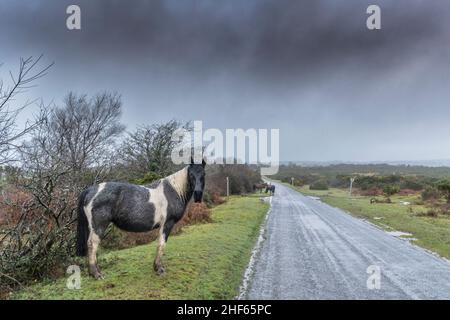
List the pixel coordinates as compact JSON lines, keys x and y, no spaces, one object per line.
{"x":314,"y":251}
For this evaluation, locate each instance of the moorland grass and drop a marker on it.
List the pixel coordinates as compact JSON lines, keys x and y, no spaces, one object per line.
{"x":205,"y":261}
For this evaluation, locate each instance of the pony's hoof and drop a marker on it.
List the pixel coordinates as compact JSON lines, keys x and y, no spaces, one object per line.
{"x":95,"y":273}
{"x":98,"y":276}
{"x":160,"y":271}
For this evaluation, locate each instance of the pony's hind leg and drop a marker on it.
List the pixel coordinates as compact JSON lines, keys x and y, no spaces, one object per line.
{"x":99,"y":217}
{"x":93,"y":243}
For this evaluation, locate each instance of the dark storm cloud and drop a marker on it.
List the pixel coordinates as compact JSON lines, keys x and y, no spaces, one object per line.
{"x":308,"y":67}
{"x":258,"y":37}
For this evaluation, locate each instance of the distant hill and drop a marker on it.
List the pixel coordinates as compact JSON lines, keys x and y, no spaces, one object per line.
{"x":424,"y":163}
{"x":333,"y":169}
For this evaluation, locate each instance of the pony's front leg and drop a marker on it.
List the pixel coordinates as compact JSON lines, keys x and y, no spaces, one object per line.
{"x":157,"y":264}
{"x":164,"y":232}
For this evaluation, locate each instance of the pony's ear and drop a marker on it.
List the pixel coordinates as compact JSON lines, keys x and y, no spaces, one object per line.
{"x":203,"y":161}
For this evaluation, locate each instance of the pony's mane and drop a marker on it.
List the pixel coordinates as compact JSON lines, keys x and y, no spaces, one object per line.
{"x":179,"y":181}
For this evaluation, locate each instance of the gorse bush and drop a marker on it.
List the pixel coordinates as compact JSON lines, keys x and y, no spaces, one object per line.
{"x":390,"y":190}
{"x":412,"y":183}
{"x":430,"y":193}
{"x":444,"y":187}
{"x":148,"y":178}
{"x":319,"y":185}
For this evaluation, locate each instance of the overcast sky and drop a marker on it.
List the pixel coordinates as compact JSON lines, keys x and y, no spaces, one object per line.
{"x":336,"y":90}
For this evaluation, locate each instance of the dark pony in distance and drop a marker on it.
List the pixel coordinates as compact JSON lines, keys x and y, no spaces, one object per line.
{"x":136,"y":208}
{"x":271,"y":189}
{"x":259,"y":186}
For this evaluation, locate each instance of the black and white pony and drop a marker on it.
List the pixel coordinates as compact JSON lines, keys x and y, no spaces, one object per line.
{"x":271,"y":189}
{"x":136,"y":208}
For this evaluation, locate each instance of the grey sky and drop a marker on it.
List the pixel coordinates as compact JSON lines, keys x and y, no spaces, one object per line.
{"x":336,"y":90}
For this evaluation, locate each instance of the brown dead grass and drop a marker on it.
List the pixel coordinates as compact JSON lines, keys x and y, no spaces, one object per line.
{"x":10,"y":201}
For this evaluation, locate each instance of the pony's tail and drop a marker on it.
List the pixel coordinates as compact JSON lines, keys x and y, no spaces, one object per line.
{"x":83,"y":227}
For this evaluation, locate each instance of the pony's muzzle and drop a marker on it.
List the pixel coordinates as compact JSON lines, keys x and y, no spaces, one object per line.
{"x":198,"y":196}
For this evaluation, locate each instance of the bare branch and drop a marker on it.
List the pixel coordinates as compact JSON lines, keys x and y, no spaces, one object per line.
{"x":27,"y":74}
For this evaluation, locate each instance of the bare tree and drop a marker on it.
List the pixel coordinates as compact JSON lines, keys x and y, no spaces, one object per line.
{"x":76,"y":137}
{"x":87,"y":128}
{"x":29,"y":71}
{"x":148,"y":149}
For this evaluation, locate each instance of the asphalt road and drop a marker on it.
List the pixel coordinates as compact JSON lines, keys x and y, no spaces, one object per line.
{"x":314,"y":251}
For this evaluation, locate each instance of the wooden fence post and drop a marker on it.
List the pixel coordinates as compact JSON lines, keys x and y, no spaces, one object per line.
{"x":351,"y":186}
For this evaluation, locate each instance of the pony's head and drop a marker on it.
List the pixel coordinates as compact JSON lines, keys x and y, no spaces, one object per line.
{"x":196,"y":177}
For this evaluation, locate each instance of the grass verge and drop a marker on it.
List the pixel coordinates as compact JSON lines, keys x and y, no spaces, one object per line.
{"x":432,"y":233}
{"x":205,"y":261}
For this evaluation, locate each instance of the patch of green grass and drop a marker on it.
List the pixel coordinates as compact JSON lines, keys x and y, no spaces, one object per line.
{"x":431,"y":233}
{"x":205,"y":261}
